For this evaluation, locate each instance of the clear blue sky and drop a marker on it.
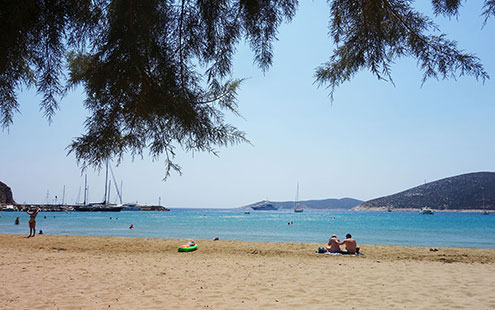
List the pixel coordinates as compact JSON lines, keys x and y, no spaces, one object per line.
{"x":373,"y":140}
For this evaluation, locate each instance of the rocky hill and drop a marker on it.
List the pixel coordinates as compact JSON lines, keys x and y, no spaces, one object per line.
{"x":462,"y":192}
{"x":343,"y":203}
{"x":6,"y":194}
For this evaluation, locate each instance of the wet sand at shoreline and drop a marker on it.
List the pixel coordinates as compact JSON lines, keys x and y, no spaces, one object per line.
{"x":76,"y":272}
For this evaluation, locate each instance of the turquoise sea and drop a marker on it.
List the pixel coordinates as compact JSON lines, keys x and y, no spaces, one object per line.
{"x":450,"y":229}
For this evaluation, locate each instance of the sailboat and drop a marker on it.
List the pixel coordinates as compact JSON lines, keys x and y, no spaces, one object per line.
{"x":84,"y":206}
{"x":297,"y":208}
{"x":125,"y":206}
{"x":104,"y":206}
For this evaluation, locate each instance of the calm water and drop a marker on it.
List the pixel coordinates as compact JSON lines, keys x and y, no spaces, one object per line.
{"x":395,"y":228}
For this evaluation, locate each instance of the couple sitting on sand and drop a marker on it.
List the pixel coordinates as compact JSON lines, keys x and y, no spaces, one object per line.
{"x":350,"y":245}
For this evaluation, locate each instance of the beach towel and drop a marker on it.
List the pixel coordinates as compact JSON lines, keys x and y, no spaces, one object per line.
{"x":322,"y":251}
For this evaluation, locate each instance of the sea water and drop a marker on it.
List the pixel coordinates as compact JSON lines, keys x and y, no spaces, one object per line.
{"x":450,"y":229}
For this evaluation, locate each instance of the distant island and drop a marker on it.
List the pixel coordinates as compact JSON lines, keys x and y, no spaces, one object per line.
{"x":471,"y":191}
{"x":343,"y":203}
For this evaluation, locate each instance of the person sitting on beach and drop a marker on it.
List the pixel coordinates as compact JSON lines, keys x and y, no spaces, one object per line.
{"x":350,"y":245}
{"x":32,"y":222}
{"x":333,"y":245}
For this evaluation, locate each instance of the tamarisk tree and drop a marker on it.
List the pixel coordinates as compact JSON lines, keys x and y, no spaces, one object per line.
{"x":157,"y":73}
{"x":371,"y":34}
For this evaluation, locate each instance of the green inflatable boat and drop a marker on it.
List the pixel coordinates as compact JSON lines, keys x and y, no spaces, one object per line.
{"x":189,"y":247}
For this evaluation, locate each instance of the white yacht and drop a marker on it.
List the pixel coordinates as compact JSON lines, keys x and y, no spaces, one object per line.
{"x":9,"y":208}
{"x":130,"y":207}
{"x":426,"y":210}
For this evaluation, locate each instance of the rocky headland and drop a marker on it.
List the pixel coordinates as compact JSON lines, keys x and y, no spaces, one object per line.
{"x":6,"y":196}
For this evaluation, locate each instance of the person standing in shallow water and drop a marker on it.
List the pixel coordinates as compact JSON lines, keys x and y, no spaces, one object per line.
{"x":32,"y":222}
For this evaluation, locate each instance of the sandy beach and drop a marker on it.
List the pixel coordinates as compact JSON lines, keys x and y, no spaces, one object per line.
{"x":74,"y":272}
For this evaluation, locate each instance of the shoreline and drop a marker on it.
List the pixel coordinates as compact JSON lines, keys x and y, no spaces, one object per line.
{"x":418,"y":210}
{"x":242,"y":209}
{"x":81,"y":272}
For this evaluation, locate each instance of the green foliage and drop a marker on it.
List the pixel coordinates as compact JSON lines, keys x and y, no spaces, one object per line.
{"x":372,"y":34}
{"x":488,"y":9}
{"x":34,"y":36}
{"x":446,"y":7}
{"x":157,"y":73}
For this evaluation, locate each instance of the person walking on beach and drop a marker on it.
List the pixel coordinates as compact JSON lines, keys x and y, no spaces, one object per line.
{"x":32,"y":222}
{"x":350,"y":245}
{"x":333,"y":245}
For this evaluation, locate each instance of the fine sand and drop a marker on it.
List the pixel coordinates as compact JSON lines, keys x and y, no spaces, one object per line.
{"x":74,"y":272}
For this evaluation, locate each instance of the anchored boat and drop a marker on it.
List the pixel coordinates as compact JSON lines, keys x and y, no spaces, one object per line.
{"x":426,"y":210}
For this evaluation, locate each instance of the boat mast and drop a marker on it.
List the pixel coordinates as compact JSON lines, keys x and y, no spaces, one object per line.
{"x":63,"y":196}
{"x":297,"y":196}
{"x":119,"y":193}
{"x":106,"y":182}
{"x":85,"y":189}
{"x":109,"y":189}
{"x":484,"y":207}
{"x":78,"y":196}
